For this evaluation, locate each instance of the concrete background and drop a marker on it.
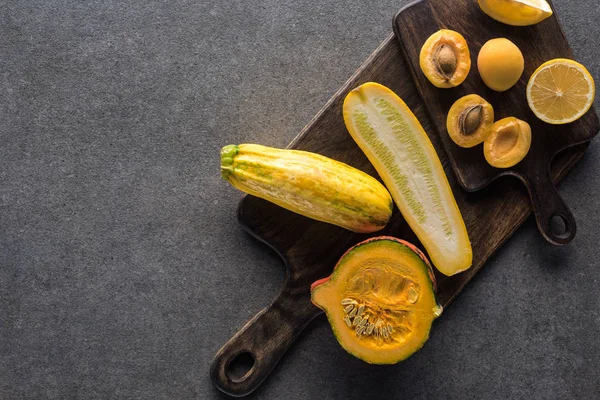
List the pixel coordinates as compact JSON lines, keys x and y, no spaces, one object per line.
{"x":122,"y":267}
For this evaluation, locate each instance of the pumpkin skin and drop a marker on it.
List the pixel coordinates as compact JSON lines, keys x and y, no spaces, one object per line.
{"x":389,"y":283}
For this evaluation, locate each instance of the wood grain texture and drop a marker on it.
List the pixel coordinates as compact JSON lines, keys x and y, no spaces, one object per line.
{"x":538,"y":43}
{"x":310,"y":249}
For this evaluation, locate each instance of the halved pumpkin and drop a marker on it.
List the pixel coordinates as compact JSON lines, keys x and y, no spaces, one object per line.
{"x":380,"y":300}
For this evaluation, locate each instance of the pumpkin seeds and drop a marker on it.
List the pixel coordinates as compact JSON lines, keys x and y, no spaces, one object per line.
{"x":356,"y":317}
{"x":412,"y":296}
{"x":361,"y":309}
{"x":370,"y":328}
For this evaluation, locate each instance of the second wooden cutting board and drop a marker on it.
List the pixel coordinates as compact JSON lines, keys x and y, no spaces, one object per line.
{"x":538,"y":43}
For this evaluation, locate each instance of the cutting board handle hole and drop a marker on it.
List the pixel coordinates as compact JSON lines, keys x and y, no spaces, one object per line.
{"x":559,"y":226}
{"x":240,"y":366}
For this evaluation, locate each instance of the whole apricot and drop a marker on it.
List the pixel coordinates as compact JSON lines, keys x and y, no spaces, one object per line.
{"x":500,"y":64}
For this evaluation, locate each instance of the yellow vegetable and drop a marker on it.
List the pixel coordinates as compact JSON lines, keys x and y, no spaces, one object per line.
{"x":396,"y":144}
{"x":379,"y":300}
{"x":309,"y":184}
{"x":560,"y":91}
{"x":517,"y":12}
{"x":500,"y":64}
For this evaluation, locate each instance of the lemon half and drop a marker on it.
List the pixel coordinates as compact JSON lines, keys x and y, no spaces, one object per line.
{"x":560,"y":91}
{"x":517,"y":12}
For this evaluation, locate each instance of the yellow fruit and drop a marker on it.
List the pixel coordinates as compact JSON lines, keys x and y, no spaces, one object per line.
{"x":516,"y":12}
{"x":560,"y":91}
{"x":508,"y":142}
{"x":469,"y":120}
{"x":500,"y":64}
{"x":445,"y":59}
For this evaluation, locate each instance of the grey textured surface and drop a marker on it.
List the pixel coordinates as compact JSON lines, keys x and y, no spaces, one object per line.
{"x":122,"y":267}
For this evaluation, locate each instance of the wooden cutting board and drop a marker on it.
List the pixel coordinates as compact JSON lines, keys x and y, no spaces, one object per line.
{"x":539,"y":43}
{"x":310,"y":249}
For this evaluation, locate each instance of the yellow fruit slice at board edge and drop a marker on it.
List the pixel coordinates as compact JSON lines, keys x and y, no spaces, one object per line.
{"x":560,"y":91}
{"x":517,"y":12}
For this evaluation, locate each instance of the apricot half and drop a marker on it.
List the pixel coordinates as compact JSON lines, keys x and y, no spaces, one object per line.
{"x":445,"y":59}
{"x":500,"y":64}
{"x":508,"y":142}
{"x":469,"y":120}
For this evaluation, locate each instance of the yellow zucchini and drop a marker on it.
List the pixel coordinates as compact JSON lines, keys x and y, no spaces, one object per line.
{"x":394,"y":141}
{"x":309,"y":184}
